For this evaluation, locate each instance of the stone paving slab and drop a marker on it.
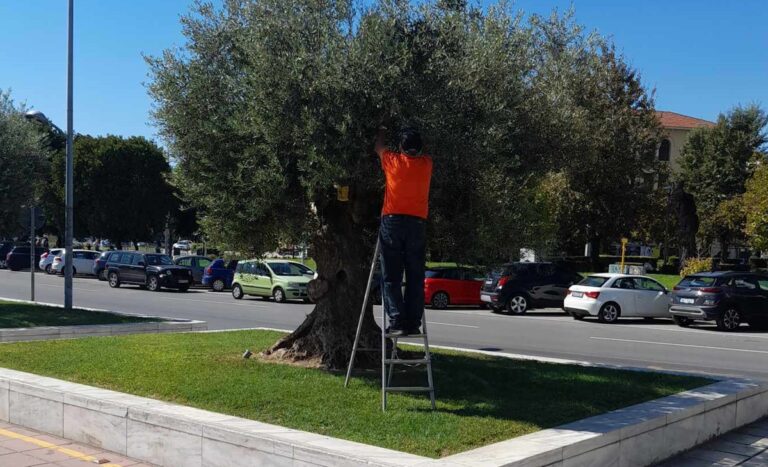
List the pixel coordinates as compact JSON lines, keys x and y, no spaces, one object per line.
{"x":22,"y":447}
{"x":745,"y":447}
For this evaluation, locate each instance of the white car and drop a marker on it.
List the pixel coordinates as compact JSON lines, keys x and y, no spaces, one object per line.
{"x":610,"y":296}
{"x":185,"y":245}
{"x":46,"y":259}
{"x":82,"y":262}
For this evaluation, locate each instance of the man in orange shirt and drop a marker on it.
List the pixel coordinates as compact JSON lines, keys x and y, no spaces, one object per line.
{"x":402,"y":235}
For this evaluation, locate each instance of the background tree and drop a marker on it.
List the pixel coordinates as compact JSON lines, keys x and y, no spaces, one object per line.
{"x":274,"y":103}
{"x":131,"y":197}
{"x":715,"y":167}
{"x":23,"y":161}
{"x":756,"y":206}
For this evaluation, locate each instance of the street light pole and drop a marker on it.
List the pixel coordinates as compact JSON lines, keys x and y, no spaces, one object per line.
{"x":68,"y":210}
{"x":32,"y":253}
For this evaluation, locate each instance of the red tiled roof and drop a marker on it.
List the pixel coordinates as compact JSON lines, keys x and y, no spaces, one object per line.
{"x":676,"y":120}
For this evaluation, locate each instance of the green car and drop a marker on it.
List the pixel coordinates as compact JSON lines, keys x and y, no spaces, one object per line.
{"x":279,"y":279}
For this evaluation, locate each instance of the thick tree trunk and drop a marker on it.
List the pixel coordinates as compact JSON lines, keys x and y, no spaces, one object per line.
{"x":343,"y":249}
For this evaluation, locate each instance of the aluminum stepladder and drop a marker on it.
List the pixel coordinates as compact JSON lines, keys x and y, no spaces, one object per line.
{"x":388,"y":364}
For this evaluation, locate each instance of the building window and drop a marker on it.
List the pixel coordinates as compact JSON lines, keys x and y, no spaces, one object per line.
{"x":664,"y":150}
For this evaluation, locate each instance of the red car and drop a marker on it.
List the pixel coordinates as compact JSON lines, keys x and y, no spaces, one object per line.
{"x":452,"y":286}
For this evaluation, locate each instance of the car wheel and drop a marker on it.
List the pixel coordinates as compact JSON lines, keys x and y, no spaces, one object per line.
{"x":440,"y":301}
{"x":237,"y":291}
{"x":48,"y":269}
{"x":114,"y":280}
{"x":153,"y":283}
{"x":682,"y":321}
{"x":609,"y":313}
{"x":517,"y":305}
{"x":218,"y":285}
{"x":729,"y":320}
{"x":278,"y":295}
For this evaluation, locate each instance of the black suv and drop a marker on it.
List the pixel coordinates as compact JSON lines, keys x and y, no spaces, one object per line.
{"x":519,"y":287}
{"x":18,"y":258}
{"x":728,"y":298}
{"x":152,"y":271}
{"x":5,"y":248}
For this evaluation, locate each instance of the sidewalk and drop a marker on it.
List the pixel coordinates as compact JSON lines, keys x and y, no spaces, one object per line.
{"x":745,"y":447}
{"x":21,"y":447}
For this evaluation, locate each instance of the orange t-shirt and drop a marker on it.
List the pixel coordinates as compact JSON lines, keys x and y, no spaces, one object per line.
{"x":408,"y":179}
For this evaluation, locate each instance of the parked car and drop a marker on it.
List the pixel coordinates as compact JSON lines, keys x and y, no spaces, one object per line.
{"x":18,"y":258}
{"x":82,"y":262}
{"x":195,"y":263}
{"x":5,"y":248}
{"x":728,"y":298}
{"x":219,"y":274}
{"x":100,"y":263}
{"x":452,"y":286}
{"x":150,"y":270}
{"x":611,"y":296}
{"x":279,"y":279}
{"x":184,"y":245}
{"x":46,"y":259}
{"x":519,"y":287}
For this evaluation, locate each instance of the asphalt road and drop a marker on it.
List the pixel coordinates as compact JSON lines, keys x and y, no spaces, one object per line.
{"x":550,"y":333}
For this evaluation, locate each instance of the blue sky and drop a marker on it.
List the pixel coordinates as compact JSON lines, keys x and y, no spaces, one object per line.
{"x":702,"y":56}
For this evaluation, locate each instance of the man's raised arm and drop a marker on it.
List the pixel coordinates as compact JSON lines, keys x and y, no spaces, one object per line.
{"x":381,"y":144}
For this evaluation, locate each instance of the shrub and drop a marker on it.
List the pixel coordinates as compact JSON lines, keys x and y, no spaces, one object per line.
{"x":694,"y":265}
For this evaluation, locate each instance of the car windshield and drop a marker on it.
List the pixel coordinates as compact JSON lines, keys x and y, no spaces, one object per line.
{"x":289,"y":269}
{"x":697,"y":281}
{"x":593,"y":281}
{"x":158,"y":260}
{"x":433,"y":273}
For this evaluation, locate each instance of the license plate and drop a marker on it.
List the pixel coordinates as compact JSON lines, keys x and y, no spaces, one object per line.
{"x":577,"y":294}
{"x":182,"y":281}
{"x":488,"y":282}
{"x":687,"y":300}
{"x":485,"y":298}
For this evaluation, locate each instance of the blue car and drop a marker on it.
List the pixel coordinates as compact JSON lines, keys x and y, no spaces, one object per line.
{"x":219,"y":274}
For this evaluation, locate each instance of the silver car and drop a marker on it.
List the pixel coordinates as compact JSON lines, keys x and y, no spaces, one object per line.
{"x":46,"y":259}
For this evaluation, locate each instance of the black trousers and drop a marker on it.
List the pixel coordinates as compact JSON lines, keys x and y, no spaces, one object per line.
{"x":403,"y":242}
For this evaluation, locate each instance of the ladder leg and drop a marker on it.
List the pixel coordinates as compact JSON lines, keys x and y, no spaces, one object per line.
{"x":428,"y":356}
{"x":383,"y":357}
{"x":362,"y":313}
{"x":392,"y":365}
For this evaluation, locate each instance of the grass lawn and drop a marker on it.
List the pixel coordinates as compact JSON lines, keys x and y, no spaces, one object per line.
{"x":480,"y":399}
{"x":27,"y":315}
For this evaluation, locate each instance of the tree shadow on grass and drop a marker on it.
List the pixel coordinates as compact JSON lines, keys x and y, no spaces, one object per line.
{"x":542,"y":394}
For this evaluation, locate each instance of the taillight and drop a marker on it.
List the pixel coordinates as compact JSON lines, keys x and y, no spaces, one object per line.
{"x":502,"y":281}
{"x":711,"y":290}
{"x":592,"y":295}
{"x":57,"y":259}
{"x":208,"y":270}
{"x":568,"y":292}
{"x":44,"y":255}
{"x":677,"y":287}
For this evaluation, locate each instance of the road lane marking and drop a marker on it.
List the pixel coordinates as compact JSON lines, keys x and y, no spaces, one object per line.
{"x":62,"y":449}
{"x":456,"y":325}
{"x":680,"y":345}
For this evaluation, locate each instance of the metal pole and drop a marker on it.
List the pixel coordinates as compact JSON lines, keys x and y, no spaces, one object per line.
{"x":68,"y":210}
{"x":32,"y":253}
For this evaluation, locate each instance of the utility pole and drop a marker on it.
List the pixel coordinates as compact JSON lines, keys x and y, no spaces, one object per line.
{"x":32,"y":253}
{"x":68,"y":210}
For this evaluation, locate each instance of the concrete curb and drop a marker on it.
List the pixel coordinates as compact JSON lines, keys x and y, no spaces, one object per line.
{"x":97,"y":330}
{"x":171,"y":435}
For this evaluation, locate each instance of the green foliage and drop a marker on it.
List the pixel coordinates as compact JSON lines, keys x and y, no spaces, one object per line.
{"x":756,"y":206}
{"x":129,"y":196}
{"x":695,"y":265}
{"x":272,"y":103}
{"x":481,"y":399}
{"x":715,"y":166}
{"x":23,"y":161}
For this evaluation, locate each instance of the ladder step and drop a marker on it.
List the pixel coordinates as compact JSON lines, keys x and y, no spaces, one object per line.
{"x":400,"y":336}
{"x":409,"y":389}
{"x":419,"y":361}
